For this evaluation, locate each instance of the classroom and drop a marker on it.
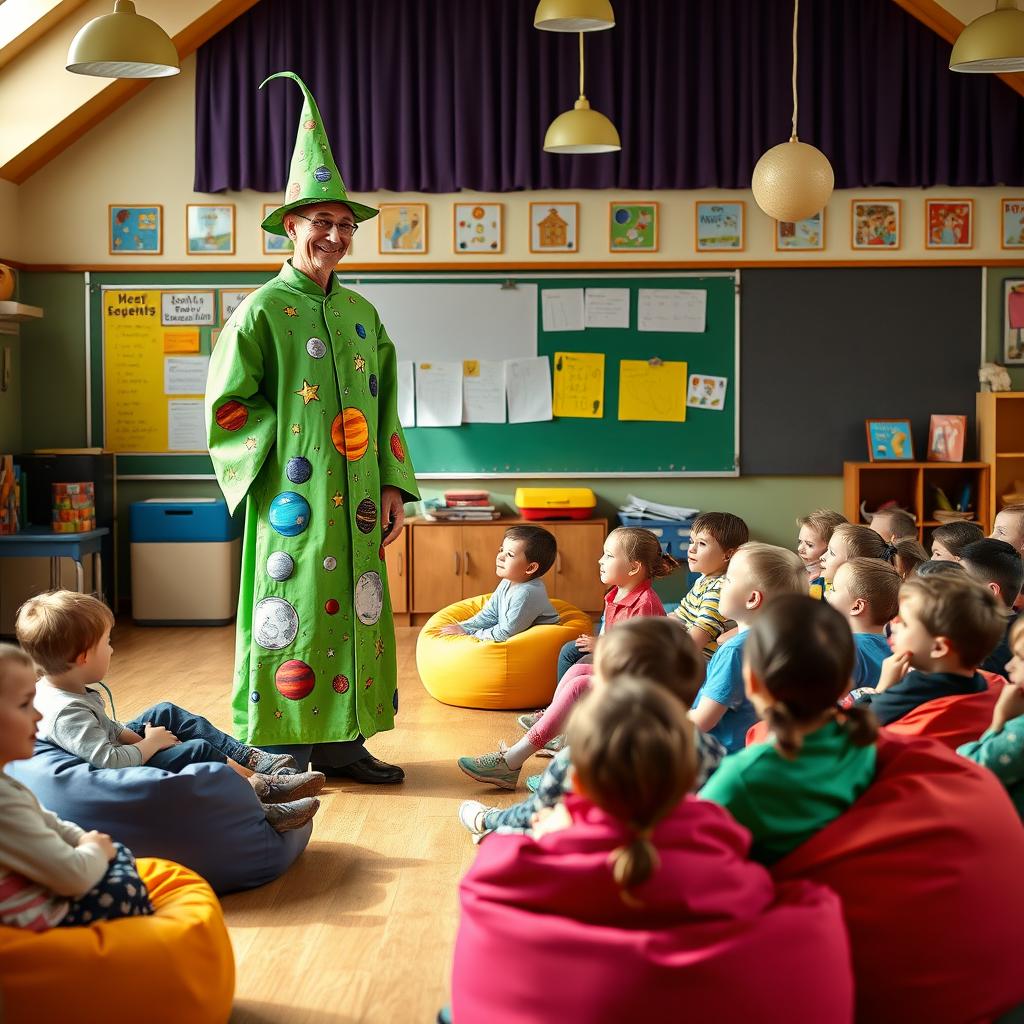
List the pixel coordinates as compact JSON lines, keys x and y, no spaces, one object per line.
{"x":467,"y":466}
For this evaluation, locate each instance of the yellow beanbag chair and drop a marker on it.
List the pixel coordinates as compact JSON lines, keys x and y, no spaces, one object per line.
{"x":174,"y":967}
{"x":519,"y":673}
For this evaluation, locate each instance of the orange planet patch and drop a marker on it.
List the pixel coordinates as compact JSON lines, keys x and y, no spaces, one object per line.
{"x":350,"y":434}
{"x":232,"y":416}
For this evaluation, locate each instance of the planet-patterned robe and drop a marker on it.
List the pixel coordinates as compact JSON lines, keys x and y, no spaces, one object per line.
{"x":314,"y":611}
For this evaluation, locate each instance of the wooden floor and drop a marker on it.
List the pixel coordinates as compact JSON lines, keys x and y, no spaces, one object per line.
{"x":361,"y":928}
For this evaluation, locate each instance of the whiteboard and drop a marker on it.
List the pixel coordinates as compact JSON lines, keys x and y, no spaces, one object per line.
{"x":455,"y":320}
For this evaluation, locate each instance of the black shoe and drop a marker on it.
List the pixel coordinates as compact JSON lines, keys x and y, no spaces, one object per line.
{"x":367,"y":769}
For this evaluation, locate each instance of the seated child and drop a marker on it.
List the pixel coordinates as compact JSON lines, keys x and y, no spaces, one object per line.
{"x":850,"y":540}
{"x":894,"y":525}
{"x":908,"y":556}
{"x":68,"y":636}
{"x":998,"y":566}
{"x":714,"y":538}
{"x":757,"y":574}
{"x":52,"y":873}
{"x":1001,"y":747}
{"x":656,"y":650}
{"x":520,"y":599}
{"x":950,"y":539}
{"x":1009,"y":526}
{"x":946,"y":626}
{"x":812,"y":542}
{"x":818,"y":759}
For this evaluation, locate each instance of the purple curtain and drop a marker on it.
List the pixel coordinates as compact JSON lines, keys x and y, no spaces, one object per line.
{"x":443,"y":95}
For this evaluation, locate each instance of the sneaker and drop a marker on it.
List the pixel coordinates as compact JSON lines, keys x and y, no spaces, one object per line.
{"x":552,"y":747}
{"x":279,"y":789}
{"x":471,"y":814}
{"x":490,"y":768}
{"x":285,"y":817}
{"x":265,"y":763}
{"x":533,"y":782}
{"x":527,"y":722}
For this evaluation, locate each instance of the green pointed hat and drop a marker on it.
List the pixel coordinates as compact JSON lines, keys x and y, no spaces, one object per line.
{"x":313,"y":176}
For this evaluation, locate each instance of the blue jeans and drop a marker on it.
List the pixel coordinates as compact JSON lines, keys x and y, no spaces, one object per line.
{"x":568,"y":656}
{"x":328,"y":755}
{"x":200,"y":740}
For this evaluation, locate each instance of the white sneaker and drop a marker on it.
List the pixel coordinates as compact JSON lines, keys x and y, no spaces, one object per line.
{"x":471,"y":814}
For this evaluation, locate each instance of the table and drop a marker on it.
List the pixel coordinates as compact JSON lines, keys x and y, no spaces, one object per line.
{"x":42,"y":542}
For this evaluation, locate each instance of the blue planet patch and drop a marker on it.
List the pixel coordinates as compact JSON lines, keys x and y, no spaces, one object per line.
{"x":373,"y":384}
{"x":298,"y":470}
{"x":361,"y":330}
{"x":254,"y":697}
{"x":289,"y":514}
{"x":322,"y":173}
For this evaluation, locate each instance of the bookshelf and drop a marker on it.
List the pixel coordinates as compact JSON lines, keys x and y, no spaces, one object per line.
{"x":1001,"y":444}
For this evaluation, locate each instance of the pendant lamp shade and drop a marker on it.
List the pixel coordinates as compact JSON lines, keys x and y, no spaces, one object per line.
{"x":574,"y":15}
{"x":123,"y":45}
{"x":582,"y":129}
{"x":993,"y":43}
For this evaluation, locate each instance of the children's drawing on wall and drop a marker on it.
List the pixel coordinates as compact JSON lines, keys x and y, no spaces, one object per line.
{"x":477,"y":227}
{"x":554,"y":227}
{"x":876,"y":223}
{"x":706,"y":392}
{"x":1013,"y":224}
{"x":209,"y":228}
{"x":1013,"y":321}
{"x":949,"y":223}
{"x":719,"y":226}
{"x":136,"y":229}
{"x":403,"y":228}
{"x":805,"y":234}
{"x":633,"y":227}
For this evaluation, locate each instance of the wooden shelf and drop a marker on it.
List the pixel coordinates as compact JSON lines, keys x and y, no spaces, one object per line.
{"x":1001,"y":443}
{"x":18,"y":312}
{"x":929,"y":523}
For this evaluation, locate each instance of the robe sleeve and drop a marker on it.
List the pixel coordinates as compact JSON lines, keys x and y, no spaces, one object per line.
{"x":241,"y":423}
{"x":393,"y":453}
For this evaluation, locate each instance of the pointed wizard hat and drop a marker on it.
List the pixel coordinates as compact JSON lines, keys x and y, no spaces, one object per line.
{"x":313,"y":176}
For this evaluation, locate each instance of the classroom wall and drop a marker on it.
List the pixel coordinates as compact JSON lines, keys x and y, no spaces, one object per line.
{"x":10,"y":400}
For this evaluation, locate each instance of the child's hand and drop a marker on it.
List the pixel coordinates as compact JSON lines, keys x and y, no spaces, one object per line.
{"x":164,"y":737}
{"x":455,"y":629}
{"x":1010,"y":705}
{"x":894,"y":668}
{"x":585,"y":643}
{"x":550,"y":819}
{"x":102,"y":840}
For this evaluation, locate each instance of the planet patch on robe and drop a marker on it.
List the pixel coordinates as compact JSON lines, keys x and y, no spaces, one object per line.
{"x":361,"y":330}
{"x":340,"y":684}
{"x":294,"y":679}
{"x":232,"y":416}
{"x":316,"y":348}
{"x":280,"y":566}
{"x":289,"y":514}
{"x":275,"y":623}
{"x":322,"y":173}
{"x":373,"y":384}
{"x":369,"y":598}
{"x":396,"y":447}
{"x":330,"y":563}
{"x":254,"y":697}
{"x":366,"y":515}
{"x":331,"y":606}
{"x":298,"y":469}
{"x":350,"y":434}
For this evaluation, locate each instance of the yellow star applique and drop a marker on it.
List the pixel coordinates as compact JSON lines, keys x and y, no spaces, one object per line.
{"x":308,"y":392}
{"x":231,"y":474}
{"x":360,"y":364}
{"x":378,"y":647}
{"x":290,"y":311}
{"x":338,"y":499}
{"x":296,"y":429}
{"x":250,"y":443}
{"x":330,"y":652}
{"x":279,"y":714}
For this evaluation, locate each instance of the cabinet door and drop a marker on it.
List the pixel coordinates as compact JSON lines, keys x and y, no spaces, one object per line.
{"x":437,"y":566}
{"x":576,"y":578}
{"x":480,"y":544}
{"x":397,"y":560}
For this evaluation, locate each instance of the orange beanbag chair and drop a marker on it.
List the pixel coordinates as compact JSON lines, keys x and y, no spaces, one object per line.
{"x":173,"y":967}
{"x":928,"y":866}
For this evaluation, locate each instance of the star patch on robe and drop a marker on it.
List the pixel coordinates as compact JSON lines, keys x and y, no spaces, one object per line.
{"x":250,"y":443}
{"x":296,"y":429}
{"x":231,"y":474}
{"x":279,"y":714}
{"x":380,"y":710}
{"x":316,"y":710}
{"x":369,"y":682}
{"x":378,"y":647}
{"x":330,"y":652}
{"x":290,"y":311}
{"x":338,"y":499}
{"x":308,"y":392}
{"x":360,"y":363}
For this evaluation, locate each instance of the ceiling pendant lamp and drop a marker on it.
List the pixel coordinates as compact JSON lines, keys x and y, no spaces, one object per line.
{"x":123,"y":45}
{"x":992,"y":43}
{"x":793,"y":180}
{"x":574,"y":15}
{"x":581,"y":130}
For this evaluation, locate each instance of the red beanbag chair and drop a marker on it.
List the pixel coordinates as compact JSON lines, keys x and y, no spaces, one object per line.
{"x":928,"y":863}
{"x":546,"y":937}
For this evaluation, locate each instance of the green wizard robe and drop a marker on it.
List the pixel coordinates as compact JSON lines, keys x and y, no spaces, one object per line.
{"x":302,"y":414}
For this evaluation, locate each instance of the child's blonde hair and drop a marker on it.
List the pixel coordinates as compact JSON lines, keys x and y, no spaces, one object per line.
{"x":11,"y":657}
{"x":1014,"y":510}
{"x":877,"y":583}
{"x":56,"y":628}
{"x":863,"y":542}
{"x":638,"y":545}
{"x":633,"y":755}
{"x":774,"y":570}
{"x":902,"y":523}
{"x":823,"y":522}
{"x":909,"y":554}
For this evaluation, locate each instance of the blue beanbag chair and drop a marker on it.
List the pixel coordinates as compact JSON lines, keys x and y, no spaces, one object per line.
{"x":207,"y":817}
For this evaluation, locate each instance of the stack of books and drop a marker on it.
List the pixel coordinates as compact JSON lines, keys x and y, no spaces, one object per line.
{"x":461,"y":506}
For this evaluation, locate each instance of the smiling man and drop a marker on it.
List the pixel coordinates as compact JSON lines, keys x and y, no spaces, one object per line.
{"x":302,"y":413}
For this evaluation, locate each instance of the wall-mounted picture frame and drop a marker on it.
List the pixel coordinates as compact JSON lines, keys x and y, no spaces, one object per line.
{"x":1013,"y":321}
{"x":136,"y":230}
{"x":632,"y":227}
{"x":478,"y":228}
{"x":1011,"y":220}
{"x":876,"y":224}
{"x":402,"y":229}
{"x":949,"y":223}
{"x":946,"y":438}
{"x":807,"y":235}
{"x":889,"y":440}
{"x":273,"y":244}
{"x":720,"y":226}
{"x":210,"y":229}
{"x":554,"y":227}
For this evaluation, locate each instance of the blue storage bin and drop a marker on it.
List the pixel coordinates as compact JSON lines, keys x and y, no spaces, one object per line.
{"x":193,"y":521}
{"x":673,"y":534}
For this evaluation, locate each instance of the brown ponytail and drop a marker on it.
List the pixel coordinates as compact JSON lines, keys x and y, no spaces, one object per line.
{"x":639,"y":545}
{"x":860,"y":724}
{"x":785,"y":733}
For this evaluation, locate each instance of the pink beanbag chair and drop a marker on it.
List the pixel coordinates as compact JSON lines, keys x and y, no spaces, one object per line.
{"x":928,"y":864}
{"x":545,"y":936}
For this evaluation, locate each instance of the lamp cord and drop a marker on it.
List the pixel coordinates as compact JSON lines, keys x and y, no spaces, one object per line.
{"x":796,"y":104}
{"x":582,"y":95}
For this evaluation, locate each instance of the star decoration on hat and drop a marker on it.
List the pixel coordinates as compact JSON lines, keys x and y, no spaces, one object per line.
{"x":338,"y":499}
{"x":296,"y":429}
{"x":360,"y":364}
{"x":290,"y":311}
{"x":308,"y":392}
{"x":330,"y":652}
{"x":250,"y":443}
{"x":378,"y":647}
{"x":231,"y":474}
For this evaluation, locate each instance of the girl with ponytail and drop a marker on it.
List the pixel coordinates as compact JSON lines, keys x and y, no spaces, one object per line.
{"x":818,"y":758}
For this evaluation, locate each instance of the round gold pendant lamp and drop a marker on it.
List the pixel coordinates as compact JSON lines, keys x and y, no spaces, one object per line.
{"x":574,"y":15}
{"x":123,"y":45}
{"x":992,"y":43}
{"x":793,"y":180}
{"x":581,"y":130}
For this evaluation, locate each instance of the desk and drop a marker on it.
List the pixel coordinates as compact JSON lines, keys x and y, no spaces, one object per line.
{"x":42,"y":542}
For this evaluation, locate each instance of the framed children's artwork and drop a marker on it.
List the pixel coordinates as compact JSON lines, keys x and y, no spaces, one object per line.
{"x":875,"y":223}
{"x":477,"y":227}
{"x":720,"y":226}
{"x":632,"y":227}
{"x":273,"y":244}
{"x":807,"y":235}
{"x":136,"y":229}
{"x":1012,"y":223}
{"x":1013,"y":321}
{"x":402,"y":229}
{"x":949,"y":223}
{"x":210,"y":229}
{"x":946,"y":438}
{"x":554,"y":227}
{"x":889,"y":440}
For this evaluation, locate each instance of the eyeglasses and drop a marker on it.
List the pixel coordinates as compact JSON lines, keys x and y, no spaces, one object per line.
{"x":346,"y":228}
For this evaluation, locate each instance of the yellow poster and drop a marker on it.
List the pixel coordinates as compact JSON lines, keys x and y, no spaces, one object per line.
{"x":579,"y":385}
{"x":652,"y":390}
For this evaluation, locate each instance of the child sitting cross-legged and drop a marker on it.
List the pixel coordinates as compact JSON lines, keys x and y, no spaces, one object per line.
{"x":520,"y":599}
{"x":52,"y":873}
{"x":654,"y":649}
{"x":816,"y":531}
{"x":68,"y":636}
{"x":818,"y":758}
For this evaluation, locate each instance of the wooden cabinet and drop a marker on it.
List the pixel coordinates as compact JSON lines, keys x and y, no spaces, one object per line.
{"x":396,"y":557}
{"x":1001,"y":445}
{"x":436,"y":566}
{"x":574,"y":577}
{"x":480,"y":543}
